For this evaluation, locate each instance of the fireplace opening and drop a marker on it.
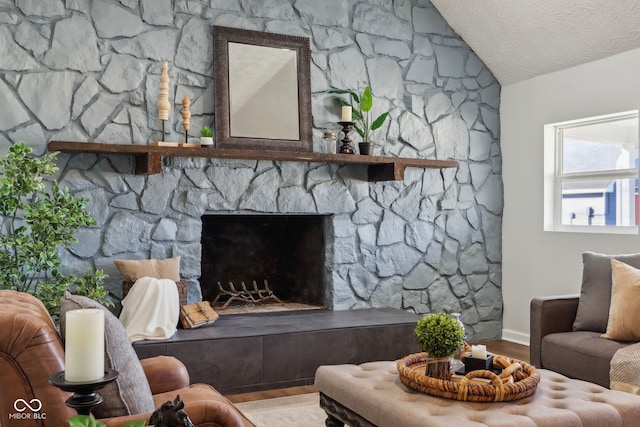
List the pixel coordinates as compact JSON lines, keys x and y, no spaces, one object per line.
{"x":286,"y":251}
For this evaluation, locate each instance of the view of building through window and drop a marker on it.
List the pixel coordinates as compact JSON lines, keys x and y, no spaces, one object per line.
{"x":597,"y":172}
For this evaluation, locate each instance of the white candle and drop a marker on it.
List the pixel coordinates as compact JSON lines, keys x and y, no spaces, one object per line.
{"x":346,"y":113}
{"x":479,"y":351}
{"x":84,"y":345}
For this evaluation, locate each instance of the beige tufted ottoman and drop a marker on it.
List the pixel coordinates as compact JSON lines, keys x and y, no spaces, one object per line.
{"x":371,"y":394}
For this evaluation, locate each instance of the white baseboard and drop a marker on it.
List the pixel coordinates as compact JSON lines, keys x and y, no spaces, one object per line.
{"x":516,"y":337}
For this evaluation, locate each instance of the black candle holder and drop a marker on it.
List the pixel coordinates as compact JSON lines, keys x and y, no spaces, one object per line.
{"x":84,"y":397}
{"x":346,"y":147}
{"x":474,"y":364}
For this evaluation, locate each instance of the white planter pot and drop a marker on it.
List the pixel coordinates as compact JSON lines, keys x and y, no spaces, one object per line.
{"x":206,"y":141}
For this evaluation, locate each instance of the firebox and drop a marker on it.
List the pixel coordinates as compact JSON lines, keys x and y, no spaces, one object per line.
{"x":285,"y":250}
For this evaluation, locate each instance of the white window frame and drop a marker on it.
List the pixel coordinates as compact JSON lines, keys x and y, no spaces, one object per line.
{"x":554,"y":178}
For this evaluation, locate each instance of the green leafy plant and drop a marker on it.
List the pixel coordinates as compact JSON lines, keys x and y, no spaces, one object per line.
{"x":89,"y":421}
{"x":206,"y":132}
{"x":361,"y":110}
{"x":89,"y":285}
{"x":35,"y":221}
{"x":439,"y":334}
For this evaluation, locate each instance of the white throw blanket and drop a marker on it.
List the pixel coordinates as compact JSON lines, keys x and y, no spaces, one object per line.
{"x":151,"y":309}
{"x":624,"y":370}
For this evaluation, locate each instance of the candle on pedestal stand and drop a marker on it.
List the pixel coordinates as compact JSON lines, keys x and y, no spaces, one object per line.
{"x":84,"y":360}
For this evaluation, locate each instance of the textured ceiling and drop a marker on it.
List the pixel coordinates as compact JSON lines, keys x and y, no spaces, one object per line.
{"x":521,"y":39}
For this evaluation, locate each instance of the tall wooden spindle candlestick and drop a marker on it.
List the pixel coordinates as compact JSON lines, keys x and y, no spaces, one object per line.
{"x":163,"y":104}
{"x":186,"y":116}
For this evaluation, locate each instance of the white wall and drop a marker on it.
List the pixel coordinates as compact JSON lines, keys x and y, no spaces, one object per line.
{"x":536,"y":262}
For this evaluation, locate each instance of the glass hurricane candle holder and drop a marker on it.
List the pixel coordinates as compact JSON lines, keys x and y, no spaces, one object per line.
{"x":456,"y":360}
{"x":330,"y":142}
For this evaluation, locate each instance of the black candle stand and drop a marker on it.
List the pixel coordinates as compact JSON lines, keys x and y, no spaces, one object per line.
{"x":346,"y":147}
{"x":84,"y":397}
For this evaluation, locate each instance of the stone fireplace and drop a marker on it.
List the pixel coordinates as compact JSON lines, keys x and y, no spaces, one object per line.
{"x":431,"y":242}
{"x":285,"y":250}
{"x":424,"y":244}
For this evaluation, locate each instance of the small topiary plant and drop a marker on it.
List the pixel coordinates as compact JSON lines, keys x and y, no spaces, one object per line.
{"x":439,"y":335}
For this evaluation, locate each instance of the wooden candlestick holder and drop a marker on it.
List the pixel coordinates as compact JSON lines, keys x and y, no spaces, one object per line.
{"x":186,"y":117}
{"x":163,"y":105}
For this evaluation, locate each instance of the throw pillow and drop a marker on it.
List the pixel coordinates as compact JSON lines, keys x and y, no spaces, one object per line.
{"x":624,"y":316}
{"x":132,"y":270}
{"x":595,"y":294}
{"x":130,"y":393}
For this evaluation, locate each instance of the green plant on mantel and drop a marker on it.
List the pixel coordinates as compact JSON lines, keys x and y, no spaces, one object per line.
{"x":206,"y":132}
{"x":35,"y":221}
{"x":439,"y":334}
{"x":361,"y":109}
{"x":89,"y":421}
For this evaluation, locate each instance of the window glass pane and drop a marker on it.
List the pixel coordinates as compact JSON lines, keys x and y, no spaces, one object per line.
{"x":609,"y":145}
{"x":600,"y":202}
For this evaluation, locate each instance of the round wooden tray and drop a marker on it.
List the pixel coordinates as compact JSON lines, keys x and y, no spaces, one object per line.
{"x":517,"y":380}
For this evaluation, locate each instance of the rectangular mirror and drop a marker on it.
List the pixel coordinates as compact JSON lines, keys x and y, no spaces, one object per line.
{"x":262,"y":90}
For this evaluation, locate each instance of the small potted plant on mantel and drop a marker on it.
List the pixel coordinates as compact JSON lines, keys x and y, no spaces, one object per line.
{"x":361,"y":109}
{"x":206,"y":137}
{"x":440,"y":336}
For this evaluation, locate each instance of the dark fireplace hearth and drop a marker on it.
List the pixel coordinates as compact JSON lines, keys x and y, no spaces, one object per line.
{"x":285,"y":250}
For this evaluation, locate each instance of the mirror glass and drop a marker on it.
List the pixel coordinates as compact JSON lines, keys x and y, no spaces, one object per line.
{"x":262,"y":90}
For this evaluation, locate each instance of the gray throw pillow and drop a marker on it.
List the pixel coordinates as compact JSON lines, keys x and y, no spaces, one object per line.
{"x":595,"y":294}
{"x":130,"y":393}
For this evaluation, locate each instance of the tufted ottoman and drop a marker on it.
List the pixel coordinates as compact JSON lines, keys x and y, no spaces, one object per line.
{"x":371,"y":394}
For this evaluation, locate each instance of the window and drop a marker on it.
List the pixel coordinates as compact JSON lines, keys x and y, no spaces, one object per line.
{"x":591,"y":174}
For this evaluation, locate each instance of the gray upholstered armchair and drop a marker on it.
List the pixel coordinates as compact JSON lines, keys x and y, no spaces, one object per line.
{"x":566,"y":331}
{"x":556,"y":346}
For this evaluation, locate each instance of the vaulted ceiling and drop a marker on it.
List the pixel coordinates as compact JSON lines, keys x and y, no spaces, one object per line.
{"x":521,"y":39}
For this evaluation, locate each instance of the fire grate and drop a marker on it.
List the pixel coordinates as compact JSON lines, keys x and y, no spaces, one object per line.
{"x":254,"y":296}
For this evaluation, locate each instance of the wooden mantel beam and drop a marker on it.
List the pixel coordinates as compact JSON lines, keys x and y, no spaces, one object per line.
{"x":148,"y":158}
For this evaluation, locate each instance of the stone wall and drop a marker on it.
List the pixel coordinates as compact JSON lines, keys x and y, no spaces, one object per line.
{"x":82,"y":70}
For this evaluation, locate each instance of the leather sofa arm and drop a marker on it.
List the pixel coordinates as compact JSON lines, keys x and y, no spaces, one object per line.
{"x":165,"y":373}
{"x":549,"y":315}
{"x":202,"y":413}
{"x":216,"y":413}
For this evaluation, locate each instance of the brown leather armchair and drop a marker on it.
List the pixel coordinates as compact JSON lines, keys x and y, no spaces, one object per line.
{"x":31,"y":350}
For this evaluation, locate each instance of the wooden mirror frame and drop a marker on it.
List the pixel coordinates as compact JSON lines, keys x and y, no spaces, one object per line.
{"x":222,"y":36}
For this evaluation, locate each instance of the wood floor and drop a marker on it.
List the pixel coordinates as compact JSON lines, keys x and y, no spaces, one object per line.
{"x":507,"y":348}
